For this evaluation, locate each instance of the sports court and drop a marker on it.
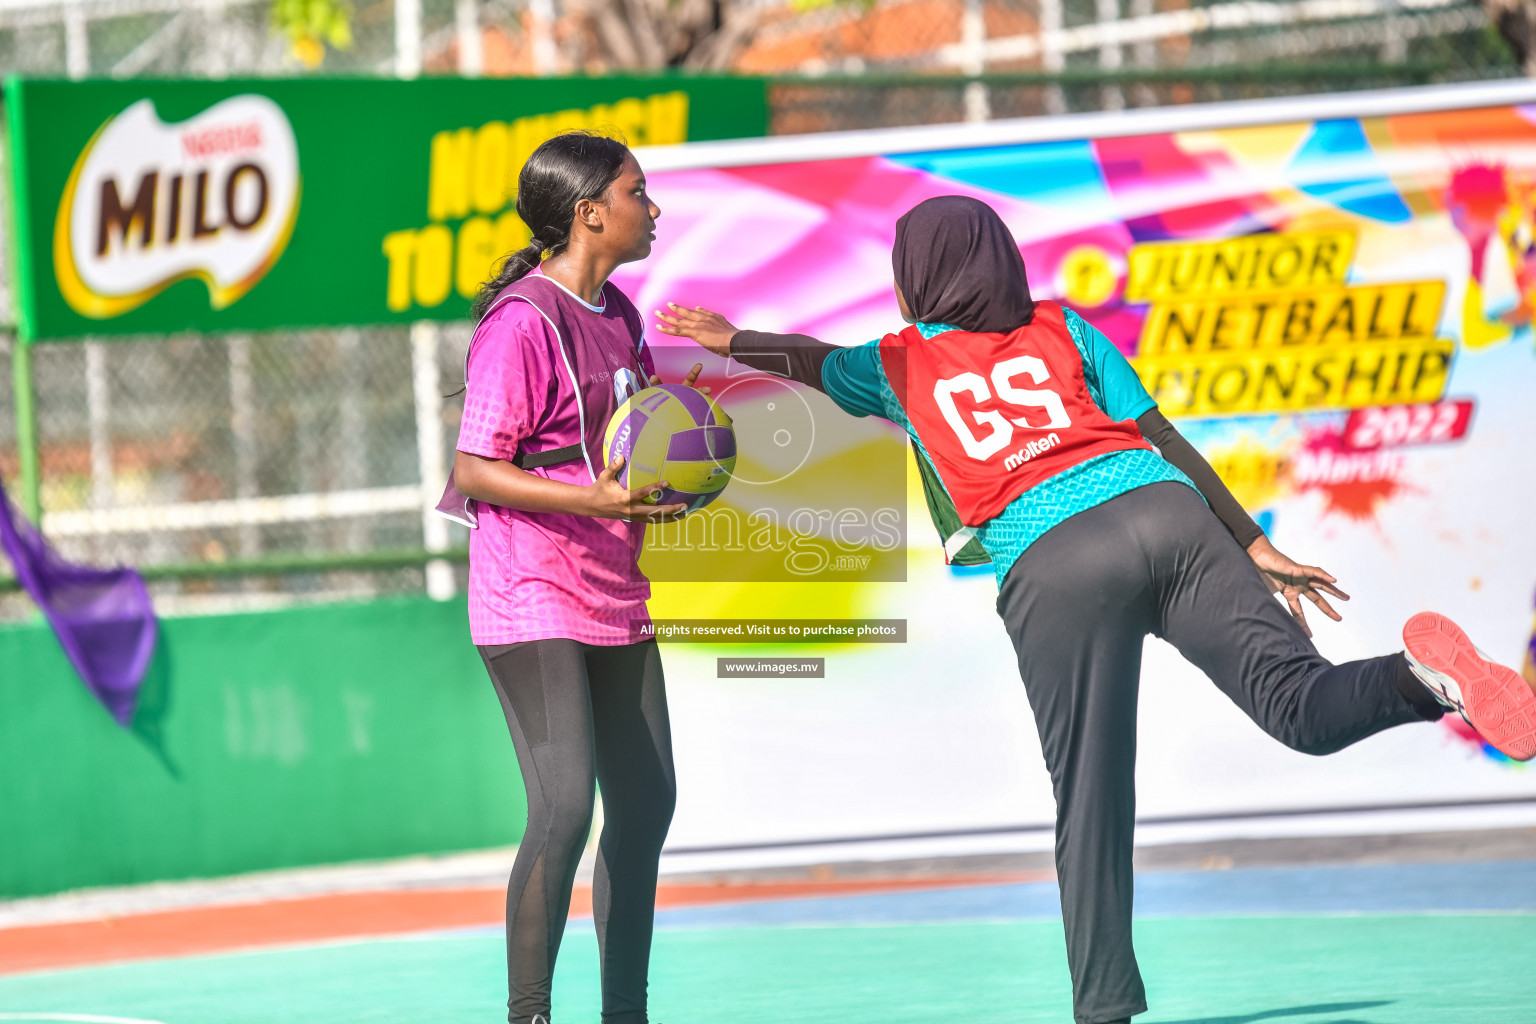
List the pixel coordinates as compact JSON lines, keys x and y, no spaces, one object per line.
{"x":1417,"y":938}
{"x":897,"y":465}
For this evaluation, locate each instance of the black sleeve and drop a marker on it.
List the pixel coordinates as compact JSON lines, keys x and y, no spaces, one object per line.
{"x":795,"y":356}
{"x":1156,"y":428}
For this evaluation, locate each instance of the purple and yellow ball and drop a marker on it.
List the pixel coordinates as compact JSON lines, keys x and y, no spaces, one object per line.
{"x":674,"y":433}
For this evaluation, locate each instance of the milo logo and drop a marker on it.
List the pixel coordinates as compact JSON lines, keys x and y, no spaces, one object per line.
{"x":149,"y":204}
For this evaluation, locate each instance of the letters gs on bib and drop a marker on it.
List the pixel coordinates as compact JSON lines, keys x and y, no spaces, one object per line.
{"x":1033,"y":405}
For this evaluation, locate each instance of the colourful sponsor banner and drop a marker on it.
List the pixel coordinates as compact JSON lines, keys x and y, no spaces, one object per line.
{"x":1337,"y":312}
{"x":168,"y":206}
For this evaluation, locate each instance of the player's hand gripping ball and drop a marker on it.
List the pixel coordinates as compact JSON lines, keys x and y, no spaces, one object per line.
{"x":674,"y":433}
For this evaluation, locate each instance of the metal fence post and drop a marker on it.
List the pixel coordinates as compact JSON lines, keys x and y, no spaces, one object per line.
{"x":1052,"y":61}
{"x":31,"y":481}
{"x":428,"y":386}
{"x":77,"y":40}
{"x":1145,"y":54}
{"x":466,"y":28}
{"x":1110,"y":56}
{"x":541,"y":30}
{"x":973,"y":37}
{"x":242,"y":429}
{"x":407,"y":38}
{"x":351,"y":440}
{"x":98,"y":401}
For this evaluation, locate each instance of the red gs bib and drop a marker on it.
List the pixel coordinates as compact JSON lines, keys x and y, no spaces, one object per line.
{"x":999,"y":413}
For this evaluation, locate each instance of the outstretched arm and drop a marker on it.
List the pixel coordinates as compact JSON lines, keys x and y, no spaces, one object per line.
{"x":1281,"y":573}
{"x":797,"y":357}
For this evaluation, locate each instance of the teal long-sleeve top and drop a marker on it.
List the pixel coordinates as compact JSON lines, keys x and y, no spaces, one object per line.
{"x":855,"y":380}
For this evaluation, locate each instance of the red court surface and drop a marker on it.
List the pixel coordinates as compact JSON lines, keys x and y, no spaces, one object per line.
{"x":290,"y":921}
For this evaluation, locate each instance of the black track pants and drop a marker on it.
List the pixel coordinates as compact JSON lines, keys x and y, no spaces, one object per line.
{"x":1077,"y":605}
{"x":579,"y":714}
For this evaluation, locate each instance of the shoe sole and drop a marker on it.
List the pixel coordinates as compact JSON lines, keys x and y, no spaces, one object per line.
{"x":1495,"y":699}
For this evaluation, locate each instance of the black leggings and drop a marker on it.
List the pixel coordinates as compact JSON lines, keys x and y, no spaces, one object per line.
{"x":1077,"y":605}
{"x":580,"y":714}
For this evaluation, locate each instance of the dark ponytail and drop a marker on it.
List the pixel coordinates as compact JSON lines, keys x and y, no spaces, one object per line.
{"x":559,"y":174}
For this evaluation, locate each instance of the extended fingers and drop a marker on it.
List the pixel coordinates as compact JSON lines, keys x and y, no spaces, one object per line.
{"x":1296,"y":611}
{"x":1322,"y":603}
{"x":635,"y":496}
{"x":1328,"y":588}
{"x":674,"y":315}
{"x":669,"y":514}
{"x":657,"y":514}
{"x":1317,"y":572}
{"x":1320,"y":577}
{"x":681,"y":323}
{"x":683,"y":315}
{"x":670,"y":325}
{"x":1310,"y":578}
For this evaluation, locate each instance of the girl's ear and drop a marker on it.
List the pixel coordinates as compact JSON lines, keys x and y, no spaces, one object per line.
{"x":588,"y":213}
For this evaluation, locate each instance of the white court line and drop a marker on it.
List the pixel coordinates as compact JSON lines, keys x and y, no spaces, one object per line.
{"x":474,"y":869}
{"x":84,"y":1018}
{"x":1041,"y":838}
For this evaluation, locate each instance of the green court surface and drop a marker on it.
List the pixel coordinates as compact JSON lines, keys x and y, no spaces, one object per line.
{"x":1312,"y":969}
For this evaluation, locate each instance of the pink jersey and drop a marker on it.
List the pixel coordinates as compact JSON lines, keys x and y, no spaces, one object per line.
{"x":541,"y":575}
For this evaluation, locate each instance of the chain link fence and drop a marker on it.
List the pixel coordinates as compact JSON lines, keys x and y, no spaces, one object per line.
{"x":239,"y":469}
{"x":248,"y":470}
{"x":1116,"y":38}
{"x":845,"y":103}
{"x":168,"y":38}
{"x":929,"y":61}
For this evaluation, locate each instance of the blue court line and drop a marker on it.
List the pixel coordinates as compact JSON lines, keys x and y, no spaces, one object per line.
{"x":1460,"y":887}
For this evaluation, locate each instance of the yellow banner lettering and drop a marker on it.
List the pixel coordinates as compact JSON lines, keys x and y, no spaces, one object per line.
{"x":489,"y":178}
{"x":448,"y":179}
{"x":1251,"y":263}
{"x":476,"y":253}
{"x":1356,"y":314}
{"x":1316,"y":377}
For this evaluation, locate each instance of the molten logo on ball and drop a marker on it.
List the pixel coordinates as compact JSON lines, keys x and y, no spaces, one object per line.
{"x":674,"y":433}
{"x":149,"y":204}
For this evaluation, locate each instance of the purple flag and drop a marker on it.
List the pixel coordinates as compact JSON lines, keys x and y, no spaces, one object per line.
{"x":103,"y":617}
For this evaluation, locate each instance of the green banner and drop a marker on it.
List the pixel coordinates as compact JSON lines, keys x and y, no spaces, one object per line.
{"x":150,"y":207}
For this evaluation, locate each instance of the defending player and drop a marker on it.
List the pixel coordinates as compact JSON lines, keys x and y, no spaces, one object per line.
{"x":556,"y":597}
{"x":1036,"y":444}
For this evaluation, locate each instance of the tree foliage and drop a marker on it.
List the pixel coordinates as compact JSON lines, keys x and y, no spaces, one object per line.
{"x":1516,"y":22}
{"x":654,"y":34}
{"x":312,"y":25}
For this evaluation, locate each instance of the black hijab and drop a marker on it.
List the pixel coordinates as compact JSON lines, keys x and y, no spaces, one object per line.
{"x":956,"y":263}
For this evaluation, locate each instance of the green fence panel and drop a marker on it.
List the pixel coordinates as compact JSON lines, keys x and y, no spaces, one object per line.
{"x":308,"y":735}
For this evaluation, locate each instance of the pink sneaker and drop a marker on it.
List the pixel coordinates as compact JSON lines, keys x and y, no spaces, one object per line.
{"x":1495,"y":700}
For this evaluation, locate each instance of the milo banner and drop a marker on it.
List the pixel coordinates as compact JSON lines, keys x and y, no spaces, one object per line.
{"x":1333,"y":299}
{"x":168,"y":206}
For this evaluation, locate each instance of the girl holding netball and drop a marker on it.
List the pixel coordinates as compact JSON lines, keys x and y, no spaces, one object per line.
{"x":556,"y":599}
{"x":1036,"y":443}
